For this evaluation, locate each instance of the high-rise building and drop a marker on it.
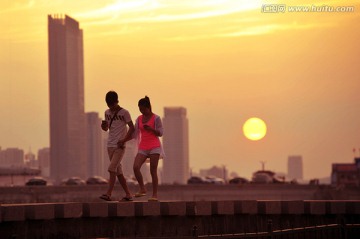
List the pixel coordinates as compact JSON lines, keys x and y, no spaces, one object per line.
{"x":295,"y":167}
{"x":95,"y":160}
{"x":176,"y":146}
{"x":105,"y":155}
{"x":66,"y":83}
{"x":44,"y":161}
{"x":128,"y":158}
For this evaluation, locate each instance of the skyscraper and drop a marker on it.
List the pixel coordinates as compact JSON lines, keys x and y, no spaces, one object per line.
{"x":295,"y":167}
{"x":95,"y":147}
{"x":66,"y":83}
{"x":176,"y":146}
{"x":105,"y":155}
{"x":128,"y":158}
{"x":44,"y":161}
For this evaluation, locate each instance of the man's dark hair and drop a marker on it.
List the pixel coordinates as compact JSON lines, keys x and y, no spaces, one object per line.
{"x":111,"y":98}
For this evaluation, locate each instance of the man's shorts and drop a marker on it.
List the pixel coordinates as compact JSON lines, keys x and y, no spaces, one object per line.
{"x":150,"y":151}
{"x":115,"y":156}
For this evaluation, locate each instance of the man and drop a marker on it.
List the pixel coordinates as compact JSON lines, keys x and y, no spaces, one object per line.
{"x":116,"y":121}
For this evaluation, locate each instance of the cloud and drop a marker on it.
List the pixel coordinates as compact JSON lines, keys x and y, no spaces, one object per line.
{"x":16,"y":6}
{"x":196,"y":19}
{"x":171,"y":20}
{"x":255,"y":30}
{"x":145,"y":11}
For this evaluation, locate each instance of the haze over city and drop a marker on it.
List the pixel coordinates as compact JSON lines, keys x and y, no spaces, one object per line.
{"x":224,"y":61}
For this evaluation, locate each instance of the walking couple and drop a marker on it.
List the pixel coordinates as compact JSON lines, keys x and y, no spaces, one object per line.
{"x":147,"y":130}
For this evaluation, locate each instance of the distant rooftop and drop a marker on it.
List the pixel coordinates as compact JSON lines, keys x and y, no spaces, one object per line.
{"x":344,"y":167}
{"x":63,"y":19}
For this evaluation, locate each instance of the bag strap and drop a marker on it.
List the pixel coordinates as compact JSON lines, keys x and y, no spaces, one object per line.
{"x":112,"y":119}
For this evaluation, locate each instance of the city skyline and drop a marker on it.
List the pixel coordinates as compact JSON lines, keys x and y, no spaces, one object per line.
{"x":224,"y":61}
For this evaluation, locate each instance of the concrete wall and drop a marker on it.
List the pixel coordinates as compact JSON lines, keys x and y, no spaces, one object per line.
{"x":32,"y":194}
{"x":170,"y":219}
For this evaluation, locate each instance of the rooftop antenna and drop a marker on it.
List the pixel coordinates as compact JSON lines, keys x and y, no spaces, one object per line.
{"x":263,"y":165}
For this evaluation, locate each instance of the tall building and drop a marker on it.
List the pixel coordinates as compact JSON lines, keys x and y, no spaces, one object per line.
{"x":295,"y":167}
{"x":128,"y":159}
{"x":95,"y":159}
{"x":66,"y":83}
{"x":105,"y":156}
{"x":176,"y":146}
{"x":44,"y":161}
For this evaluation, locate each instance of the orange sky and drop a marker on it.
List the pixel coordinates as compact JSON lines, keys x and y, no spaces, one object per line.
{"x":225,"y":61}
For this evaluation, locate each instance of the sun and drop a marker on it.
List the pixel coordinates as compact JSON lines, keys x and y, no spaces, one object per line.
{"x":254,"y":129}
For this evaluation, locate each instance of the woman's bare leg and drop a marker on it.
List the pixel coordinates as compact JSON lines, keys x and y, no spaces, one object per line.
{"x":154,"y":161}
{"x":139,"y":161}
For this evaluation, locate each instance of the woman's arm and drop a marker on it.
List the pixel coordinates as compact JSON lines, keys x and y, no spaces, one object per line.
{"x":158,"y":127}
{"x":136,"y":129}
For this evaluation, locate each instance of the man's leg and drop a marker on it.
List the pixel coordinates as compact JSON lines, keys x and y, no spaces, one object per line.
{"x":111,"y":183}
{"x":112,"y":174}
{"x":118,"y":155}
{"x":124,"y":185}
{"x":139,"y":161}
{"x":115,"y":155}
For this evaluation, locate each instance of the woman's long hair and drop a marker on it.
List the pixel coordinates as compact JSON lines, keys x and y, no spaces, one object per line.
{"x":145,"y":102}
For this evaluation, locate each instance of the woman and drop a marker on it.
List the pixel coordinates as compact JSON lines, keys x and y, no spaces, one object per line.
{"x":148,"y":129}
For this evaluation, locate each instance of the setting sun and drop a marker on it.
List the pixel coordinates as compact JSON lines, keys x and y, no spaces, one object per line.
{"x":254,"y":129}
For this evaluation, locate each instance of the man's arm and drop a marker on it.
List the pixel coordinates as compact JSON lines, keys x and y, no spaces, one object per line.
{"x":128,"y":135}
{"x":104,"y":125}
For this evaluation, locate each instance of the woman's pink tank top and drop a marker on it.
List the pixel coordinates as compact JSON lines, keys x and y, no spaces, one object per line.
{"x":148,"y":139}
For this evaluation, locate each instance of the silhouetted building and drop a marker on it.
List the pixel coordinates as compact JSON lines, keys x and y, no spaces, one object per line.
{"x":95,"y":148}
{"x":176,"y":146}
{"x":12,"y":157}
{"x":30,"y":160}
{"x":347,"y":174}
{"x":128,"y":159}
{"x":295,"y":167}
{"x":44,"y":161}
{"x":66,"y":83}
{"x":104,"y":138}
{"x":220,"y":172}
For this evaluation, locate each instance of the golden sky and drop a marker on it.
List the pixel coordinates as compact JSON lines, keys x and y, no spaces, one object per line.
{"x":224,"y":60}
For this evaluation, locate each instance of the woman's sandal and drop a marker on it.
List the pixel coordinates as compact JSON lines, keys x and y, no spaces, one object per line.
{"x":153,"y":199}
{"x":137,"y":195}
{"x":126,"y":199}
{"x":105,"y":197}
